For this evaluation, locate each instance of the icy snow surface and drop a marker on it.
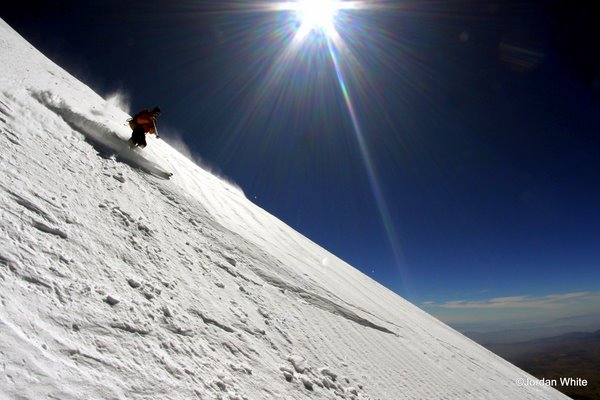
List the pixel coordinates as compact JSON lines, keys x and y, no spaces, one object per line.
{"x":118,"y":281}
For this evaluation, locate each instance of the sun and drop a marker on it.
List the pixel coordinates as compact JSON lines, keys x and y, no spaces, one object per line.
{"x":317,"y":14}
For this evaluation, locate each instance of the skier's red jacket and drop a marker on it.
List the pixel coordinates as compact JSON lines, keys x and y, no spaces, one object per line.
{"x":146,"y":119}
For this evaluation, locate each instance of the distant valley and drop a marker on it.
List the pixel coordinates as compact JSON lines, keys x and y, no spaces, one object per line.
{"x":575,"y":355}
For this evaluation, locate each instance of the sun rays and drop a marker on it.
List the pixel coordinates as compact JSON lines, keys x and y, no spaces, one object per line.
{"x":308,"y":40}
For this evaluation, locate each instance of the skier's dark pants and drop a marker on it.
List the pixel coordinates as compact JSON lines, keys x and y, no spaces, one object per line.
{"x":138,"y":136}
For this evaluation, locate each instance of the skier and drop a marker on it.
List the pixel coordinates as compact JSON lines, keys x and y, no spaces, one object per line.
{"x":143,"y":122}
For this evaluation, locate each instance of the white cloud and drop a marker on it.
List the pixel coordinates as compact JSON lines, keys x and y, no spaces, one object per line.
{"x":549,"y":301}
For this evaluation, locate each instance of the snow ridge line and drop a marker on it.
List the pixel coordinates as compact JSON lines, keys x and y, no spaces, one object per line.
{"x":211,"y":321}
{"x":48,"y":229}
{"x":321,"y":302}
{"x":30,"y":205}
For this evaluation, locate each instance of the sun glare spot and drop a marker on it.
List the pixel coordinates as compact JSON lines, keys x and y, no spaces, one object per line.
{"x":317,"y":14}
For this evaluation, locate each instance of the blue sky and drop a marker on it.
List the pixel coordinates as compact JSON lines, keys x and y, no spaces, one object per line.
{"x":450,"y":151}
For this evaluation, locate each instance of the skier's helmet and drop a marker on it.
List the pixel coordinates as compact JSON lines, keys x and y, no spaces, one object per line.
{"x":156,"y":111}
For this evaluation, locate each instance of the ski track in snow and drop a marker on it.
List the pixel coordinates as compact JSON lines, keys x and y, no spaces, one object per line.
{"x":117,"y":283}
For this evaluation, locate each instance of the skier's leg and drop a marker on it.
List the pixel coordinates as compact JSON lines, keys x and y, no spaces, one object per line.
{"x":142,"y":142}
{"x":138,"y":136}
{"x":132,"y":138}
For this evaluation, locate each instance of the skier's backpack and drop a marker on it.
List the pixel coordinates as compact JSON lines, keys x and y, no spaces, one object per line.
{"x":133,"y":120}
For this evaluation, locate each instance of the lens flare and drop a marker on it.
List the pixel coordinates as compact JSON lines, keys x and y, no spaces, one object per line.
{"x":293,"y":47}
{"x":318,"y":14}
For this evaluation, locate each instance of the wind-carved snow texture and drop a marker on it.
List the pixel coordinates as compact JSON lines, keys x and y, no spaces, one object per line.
{"x":118,"y":284}
{"x":320,"y":301}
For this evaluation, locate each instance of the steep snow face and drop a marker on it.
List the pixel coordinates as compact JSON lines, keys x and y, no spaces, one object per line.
{"x":118,"y":280}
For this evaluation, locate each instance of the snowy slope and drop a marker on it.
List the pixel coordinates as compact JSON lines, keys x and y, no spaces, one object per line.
{"x":117,"y":281}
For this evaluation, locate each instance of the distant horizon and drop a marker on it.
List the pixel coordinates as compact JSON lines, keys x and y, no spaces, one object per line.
{"x":522,"y":332}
